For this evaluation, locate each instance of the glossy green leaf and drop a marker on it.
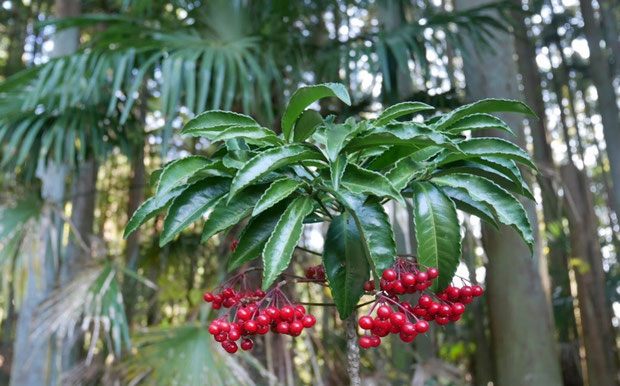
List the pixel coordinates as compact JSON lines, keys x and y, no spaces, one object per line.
{"x":510,"y":169}
{"x":236,"y":159}
{"x":250,"y":134}
{"x":150,"y":208}
{"x":400,"y":109}
{"x":337,"y":169}
{"x":287,"y":233}
{"x":483,"y":106}
{"x":277,"y":191}
{"x":403,"y":172}
{"x":177,"y":171}
{"x":506,"y":207}
{"x":270,"y":160}
{"x":191,"y":204}
{"x":437,"y":232}
{"x":375,"y":228}
{"x":400,"y":134}
{"x":336,"y":136}
{"x":479,"y":122}
{"x":346,"y":266}
{"x":255,"y":235}
{"x":464,"y":202}
{"x":304,"y":97}
{"x":212,"y":123}
{"x":360,"y":180}
{"x":480,"y":147}
{"x":226,"y":214}
{"x":306,"y":125}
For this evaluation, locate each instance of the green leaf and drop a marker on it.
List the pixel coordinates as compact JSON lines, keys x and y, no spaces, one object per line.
{"x":346,"y":266}
{"x":480,"y":147}
{"x":175,"y":172}
{"x":150,"y":208}
{"x":236,"y":159}
{"x":306,"y":125}
{"x":226,"y":214}
{"x":464,"y":202}
{"x":337,"y":169}
{"x":510,"y":169}
{"x":304,"y":97}
{"x":360,"y":180}
{"x":287,"y":233}
{"x":400,"y":134}
{"x":479,"y":122}
{"x":437,"y":232}
{"x":336,"y":137}
{"x":251,"y":134}
{"x":255,"y":235}
{"x":212,"y":123}
{"x":506,"y":207}
{"x":403,"y":172}
{"x":270,"y":160}
{"x":278,"y":191}
{"x":483,"y":106}
{"x":375,"y":228}
{"x":191,"y":204}
{"x":400,"y":109}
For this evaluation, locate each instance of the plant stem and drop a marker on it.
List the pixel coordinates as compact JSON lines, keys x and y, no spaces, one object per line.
{"x":353,"y":351}
{"x":309,"y":251}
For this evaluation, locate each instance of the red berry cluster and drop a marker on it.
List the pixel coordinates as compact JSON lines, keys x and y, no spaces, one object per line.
{"x":258,"y":315}
{"x":229,"y":297}
{"x":394,"y":316}
{"x":315,"y":273}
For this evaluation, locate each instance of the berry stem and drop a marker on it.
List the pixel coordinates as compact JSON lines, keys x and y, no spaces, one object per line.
{"x":308,"y":251}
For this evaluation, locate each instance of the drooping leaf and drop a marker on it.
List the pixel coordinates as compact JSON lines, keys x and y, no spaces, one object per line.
{"x":177,"y":171}
{"x":270,"y":160}
{"x":360,"y":180}
{"x":483,"y":106}
{"x":480,"y":147}
{"x":150,"y":208}
{"x":479,"y":122}
{"x":281,"y":244}
{"x":277,"y":191}
{"x":304,"y":97}
{"x":226,"y":214}
{"x":192,"y":203}
{"x":375,"y":228}
{"x":400,"y":109}
{"x":212,"y":123}
{"x":507,"y":208}
{"x":306,"y":125}
{"x":437,"y":232}
{"x":464,"y":202}
{"x":255,"y":235}
{"x":346,"y":266}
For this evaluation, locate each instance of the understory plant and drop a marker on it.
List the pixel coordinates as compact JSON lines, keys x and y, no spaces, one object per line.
{"x":343,"y":172}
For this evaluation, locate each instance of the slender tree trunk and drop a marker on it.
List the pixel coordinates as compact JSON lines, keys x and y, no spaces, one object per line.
{"x":608,"y":107}
{"x":521,"y":326}
{"x":599,"y":336}
{"x":610,"y":26}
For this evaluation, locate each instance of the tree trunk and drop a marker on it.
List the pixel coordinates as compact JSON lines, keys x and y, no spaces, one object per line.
{"x":610,"y":26}
{"x":521,"y":327}
{"x":601,"y":76}
{"x":599,"y":337}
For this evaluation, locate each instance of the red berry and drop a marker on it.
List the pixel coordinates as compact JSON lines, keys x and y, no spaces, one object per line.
{"x":458,"y":309}
{"x":408,"y":279}
{"x":283,"y":328}
{"x":218,"y":298}
{"x":389,"y":274}
{"x":365,"y":342}
{"x":419,"y":311}
{"x":233,"y":245}
{"x":287,"y":312}
{"x":384,"y":312}
{"x":250,"y":326}
{"x":477,"y":290}
{"x":442,"y":320}
{"x":433,"y":273}
{"x":398,"y":319}
{"x":425,"y":301}
{"x":231,"y":348}
{"x":466,"y":299}
{"x":221,"y":337}
{"x":406,"y":338}
{"x":296,"y":327}
{"x":444,"y":310}
{"x":272,"y":312}
{"x":300,"y":308}
{"x":369,"y":286}
{"x":398,"y":287}
{"x":247,"y":344}
{"x":262,"y":329}
{"x":433,"y":308}
{"x":259,"y":293}
{"x":308,"y":321}
{"x":453,"y":293}
{"x":243,"y":314}
{"x":263,"y":319}
{"x":466,"y":291}
{"x":421,"y":326}
{"x":454,"y":318}
{"x":408,"y":328}
{"x":383,"y":324}
{"x":214,"y":329}
{"x":234,"y":334}
{"x":310,"y":272}
{"x":216,"y":306}
{"x":375,"y":341}
{"x":421,"y":277}
{"x":224,"y":325}
{"x":365,"y":322}
{"x":208,"y":297}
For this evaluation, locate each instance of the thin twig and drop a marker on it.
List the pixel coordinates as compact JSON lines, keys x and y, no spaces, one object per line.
{"x":309,"y":251}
